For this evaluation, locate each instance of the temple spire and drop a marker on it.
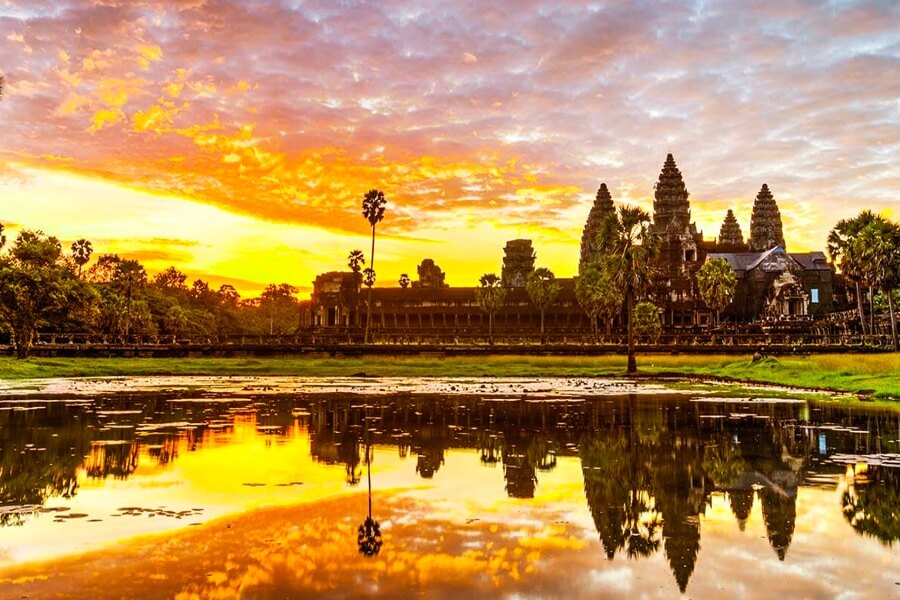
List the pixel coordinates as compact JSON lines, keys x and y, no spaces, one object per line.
{"x":603,"y":207}
{"x":730,"y":233}
{"x":670,"y":204}
{"x":765,"y":222}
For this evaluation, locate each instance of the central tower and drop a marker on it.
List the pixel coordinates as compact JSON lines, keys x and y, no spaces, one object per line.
{"x":671,"y":210}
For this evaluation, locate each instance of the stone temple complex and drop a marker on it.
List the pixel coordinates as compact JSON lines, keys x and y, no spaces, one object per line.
{"x":772,"y":283}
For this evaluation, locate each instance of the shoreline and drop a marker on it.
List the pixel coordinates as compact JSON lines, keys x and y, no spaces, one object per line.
{"x":866,"y":376}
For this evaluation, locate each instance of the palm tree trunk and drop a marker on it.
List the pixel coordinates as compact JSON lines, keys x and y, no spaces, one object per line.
{"x":717,"y":318}
{"x":632,"y":362}
{"x":491,"y":328}
{"x":859,"y":307}
{"x":890,"y":294}
{"x":128,"y":312}
{"x":369,"y":307}
{"x":542,"y":322}
{"x":871,"y":310}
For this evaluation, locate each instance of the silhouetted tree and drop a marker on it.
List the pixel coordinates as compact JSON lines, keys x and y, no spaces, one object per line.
{"x":542,"y":289}
{"x":404,"y":281}
{"x":81,"y":253}
{"x":355,"y":260}
{"x":373,"y":210}
{"x":491,"y":295}
{"x":632,"y":249}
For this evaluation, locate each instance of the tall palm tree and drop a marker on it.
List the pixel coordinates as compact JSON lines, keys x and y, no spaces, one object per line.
{"x":355,"y":261}
{"x":81,"y":253}
{"x":491,"y":296}
{"x":542,"y":289}
{"x":373,"y":205}
{"x":878,"y":247}
{"x":717,"y":282}
{"x":841,"y":250}
{"x":632,"y":251}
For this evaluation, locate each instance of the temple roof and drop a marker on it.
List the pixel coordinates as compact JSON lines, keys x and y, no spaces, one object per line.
{"x":747,"y":261}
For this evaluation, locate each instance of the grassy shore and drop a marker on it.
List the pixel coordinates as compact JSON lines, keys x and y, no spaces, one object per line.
{"x":871,"y":374}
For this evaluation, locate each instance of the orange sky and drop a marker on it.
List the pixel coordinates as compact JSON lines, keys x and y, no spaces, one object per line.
{"x":237,"y":142}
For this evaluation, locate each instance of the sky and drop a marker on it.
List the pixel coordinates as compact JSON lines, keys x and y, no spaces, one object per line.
{"x":236,"y":138}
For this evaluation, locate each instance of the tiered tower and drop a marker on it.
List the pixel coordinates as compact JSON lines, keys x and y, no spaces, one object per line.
{"x":602,"y":208}
{"x":518,"y":263}
{"x":670,"y":205}
{"x":430,"y":275}
{"x":765,"y":223}
{"x":730,"y":234}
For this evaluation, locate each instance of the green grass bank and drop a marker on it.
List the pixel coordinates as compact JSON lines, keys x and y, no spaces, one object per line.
{"x":871,"y":374}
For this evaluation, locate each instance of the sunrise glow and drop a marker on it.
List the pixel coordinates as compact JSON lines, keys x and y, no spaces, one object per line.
{"x":236,"y":140}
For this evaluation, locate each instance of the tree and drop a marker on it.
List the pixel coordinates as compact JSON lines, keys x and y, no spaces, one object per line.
{"x":843,"y":253}
{"x":373,"y":210}
{"x":356,"y":260}
{"x":646,"y":321}
{"x":597,"y":294}
{"x":631,"y":251}
{"x":171,"y":280}
{"x":81,"y":253}
{"x":129,"y":276}
{"x":717,"y":283}
{"x":37,"y":287}
{"x":878,"y":247}
{"x":542,"y":289}
{"x":2,"y":237}
{"x":491,"y":295}
{"x":404,"y":281}
{"x":279,"y":304}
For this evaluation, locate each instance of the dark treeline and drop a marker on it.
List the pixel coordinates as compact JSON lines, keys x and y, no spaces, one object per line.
{"x":649,"y":467}
{"x":44,"y":287}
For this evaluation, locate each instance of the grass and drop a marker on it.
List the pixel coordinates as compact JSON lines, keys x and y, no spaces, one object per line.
{"x":877,"y":375}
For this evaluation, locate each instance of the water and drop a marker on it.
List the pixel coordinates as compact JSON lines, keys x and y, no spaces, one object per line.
{"x":504,"y":488}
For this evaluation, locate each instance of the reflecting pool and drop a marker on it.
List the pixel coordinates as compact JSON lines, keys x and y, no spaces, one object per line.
{"x":362,"y":487}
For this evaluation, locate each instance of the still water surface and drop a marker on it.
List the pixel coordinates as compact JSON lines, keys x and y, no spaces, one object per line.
{"x":503,"y":488}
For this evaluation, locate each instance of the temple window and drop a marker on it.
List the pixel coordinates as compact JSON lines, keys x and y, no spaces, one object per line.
{"x":814,"y":295}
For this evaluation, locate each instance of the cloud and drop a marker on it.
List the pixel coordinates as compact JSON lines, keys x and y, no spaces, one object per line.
{"x":463,"y":113}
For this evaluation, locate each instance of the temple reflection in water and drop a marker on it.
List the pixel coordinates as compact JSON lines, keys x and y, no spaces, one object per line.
{"x":651,"y":465}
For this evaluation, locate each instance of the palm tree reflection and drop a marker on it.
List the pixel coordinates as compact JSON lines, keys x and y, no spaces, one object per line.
{"x":369,"y":535}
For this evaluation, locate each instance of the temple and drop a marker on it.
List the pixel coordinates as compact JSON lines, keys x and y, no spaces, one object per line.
{"x":773,"y":285}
